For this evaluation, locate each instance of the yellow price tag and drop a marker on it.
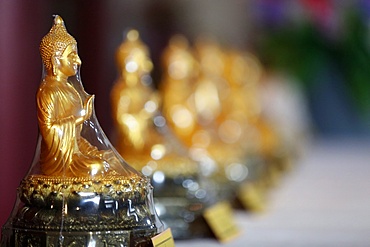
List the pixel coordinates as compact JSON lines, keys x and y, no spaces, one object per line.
{"x":220,"y":218}
{"x":164,"y":239}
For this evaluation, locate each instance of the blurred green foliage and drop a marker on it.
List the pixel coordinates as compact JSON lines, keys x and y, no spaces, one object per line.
{"x":304,"y":50}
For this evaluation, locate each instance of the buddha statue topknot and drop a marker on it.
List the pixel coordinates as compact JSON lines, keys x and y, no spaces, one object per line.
{"x":78,"y":190}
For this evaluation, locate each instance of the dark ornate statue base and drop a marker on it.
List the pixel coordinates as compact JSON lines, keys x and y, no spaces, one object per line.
{"x":32,"y":238}
{"x":58,"y":212}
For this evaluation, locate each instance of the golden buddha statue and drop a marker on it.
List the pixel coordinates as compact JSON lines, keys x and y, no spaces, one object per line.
{"x":78,"y":191}
{"x":212,"y":85}
{"x":176,"y":90}
{"x":241,"y":104}
{"x":62,"y":110}
{"x":133,"y":103}
{"x":243,"y":72}
{"x":144,"y":141}
{"x":211,"y":101}
{"x":192,"y":102}
{"x":140,"y":125}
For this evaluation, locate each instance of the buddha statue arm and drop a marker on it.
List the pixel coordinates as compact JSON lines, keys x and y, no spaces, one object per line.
{"x":58,"y":132}
{"x":86,"y":113}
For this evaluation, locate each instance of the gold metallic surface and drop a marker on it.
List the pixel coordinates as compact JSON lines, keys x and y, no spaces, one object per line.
{"x":78,"y":190}
{"x":177,"y":87}
{"x":61,"y":112}
{"x":198,"y":100}
{"x":52,"y":201}
{"x":211,"y":99}
{"x":145,"y":141}
{"x":135,"y":106}
{"x":40,"y":189}
{"x":133,"y":103}
{"x":55,"y":42}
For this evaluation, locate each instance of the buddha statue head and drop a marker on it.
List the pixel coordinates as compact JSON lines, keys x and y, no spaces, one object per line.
{"x":132,"y":56}
{"x":178,"y":60}
{"x":58,"y":49}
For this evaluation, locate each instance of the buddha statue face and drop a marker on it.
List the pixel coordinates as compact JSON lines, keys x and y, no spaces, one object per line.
{"x":68,"y":62}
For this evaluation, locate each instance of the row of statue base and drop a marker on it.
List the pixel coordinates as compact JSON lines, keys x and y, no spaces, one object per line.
{"x":201,"y":139}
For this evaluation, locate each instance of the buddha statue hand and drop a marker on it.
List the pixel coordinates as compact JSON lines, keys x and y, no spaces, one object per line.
{"x":87,"y":111}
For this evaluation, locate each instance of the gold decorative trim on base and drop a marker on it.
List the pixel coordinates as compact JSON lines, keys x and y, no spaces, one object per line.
{"x":40,"y":190}
{"x":84,"y":204}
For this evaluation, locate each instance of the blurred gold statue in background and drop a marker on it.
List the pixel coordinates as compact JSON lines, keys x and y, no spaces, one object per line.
{"x":133,"y":103}
{"x":145,"y":141}
{"x":211,"y":100}
{"x":180,"y":72}
{"x":194,"y":90}
{"x":135,"y":110}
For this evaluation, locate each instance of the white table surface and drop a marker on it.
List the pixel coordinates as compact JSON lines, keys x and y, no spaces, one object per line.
{"x":323,"y":201}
